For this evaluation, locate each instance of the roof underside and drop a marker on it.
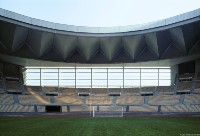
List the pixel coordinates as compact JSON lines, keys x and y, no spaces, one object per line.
{"x":31,"y":43}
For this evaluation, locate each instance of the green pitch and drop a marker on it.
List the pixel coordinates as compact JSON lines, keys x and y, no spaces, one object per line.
{"x":88,"y":126}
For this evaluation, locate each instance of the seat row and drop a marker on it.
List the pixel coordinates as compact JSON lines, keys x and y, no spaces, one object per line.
{"x":165,"y":109}
{"x":126,"y":100}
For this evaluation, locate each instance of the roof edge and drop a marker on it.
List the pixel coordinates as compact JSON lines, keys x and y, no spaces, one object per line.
{"x":174,"y":21}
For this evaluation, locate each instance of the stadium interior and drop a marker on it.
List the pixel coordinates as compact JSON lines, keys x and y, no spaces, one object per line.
{"x":47,"y":67}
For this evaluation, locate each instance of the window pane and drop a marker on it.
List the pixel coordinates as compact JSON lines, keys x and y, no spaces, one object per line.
{"x":149,"y":70}
{"x":131,"y":83}
{"x":99,"y":70}
{"x":33,"y":70}
{"x":115,"y":83}
{"x":164,"y":75}
{"x":99,"y":83}
{"x":83,"y":75}
{"x":49,"y":70}
{"x":115,"y":75}
{"x":115,"y":70}
{"x":33,"y":82}
{"x":128,"y":83}
{"x":83,"y":83}
{"x":67,"y":70}
{"x":131,"y":75}
{"x":49,"y":75}
{"x":164,"y":82}
{"x":70,"y":83}
{"x":136,"y":82}
{"x":149,"y":75}
{"x":67,"y":76}
{"x":132,"y":70}
{"x":32,"y":76}
{"x":149,"y":82}
{"x":165,"y":70}
{"x":83,"y":70}
{"x":99,"y":75}
{"x":49,"y":82}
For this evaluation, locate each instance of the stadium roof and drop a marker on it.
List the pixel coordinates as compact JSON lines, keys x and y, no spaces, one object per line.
{"x":29,"y":41}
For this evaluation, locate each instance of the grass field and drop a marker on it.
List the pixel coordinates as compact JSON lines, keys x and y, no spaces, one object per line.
{"x":88,"y":126}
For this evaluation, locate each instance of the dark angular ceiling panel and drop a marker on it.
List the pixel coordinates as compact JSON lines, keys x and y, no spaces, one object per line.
{"x":172,"y":52}
{"x":65,"y":45}
{"x":133,"y":45}
{"x":122,"y":57}
{"x":146,"y":55}
{"x":88,"y":46}
{"x":151,"y":42}
{"x":52,"y":55}
{"x":110,"y":46}
{"x":99,"y":58}
{"x":76,"y":57}
{"x":177,"y":38}
{"x":46,"y":42}
{"x":164,"y":41}
{"x":196,"y":48}
{"x":191,"y":35}
{"x":198,"y":25}
{"x":197,"y":29}
{"x":19,"y":38}
{"x":25,"y":52}
{"x":7,"y":31}
{"x":3,"y":48}
{"x":34,"y":41}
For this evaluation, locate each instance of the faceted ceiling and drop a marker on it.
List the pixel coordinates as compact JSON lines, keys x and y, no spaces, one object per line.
{"x":24,"y":42}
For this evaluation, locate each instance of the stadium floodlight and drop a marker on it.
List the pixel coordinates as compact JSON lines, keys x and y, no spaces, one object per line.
{"x":108,"y":111}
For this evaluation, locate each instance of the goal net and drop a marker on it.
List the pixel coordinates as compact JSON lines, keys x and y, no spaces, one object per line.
{"x":107,"y":111}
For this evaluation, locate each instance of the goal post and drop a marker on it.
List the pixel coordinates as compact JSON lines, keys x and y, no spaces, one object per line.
{"x":107,"y":111}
